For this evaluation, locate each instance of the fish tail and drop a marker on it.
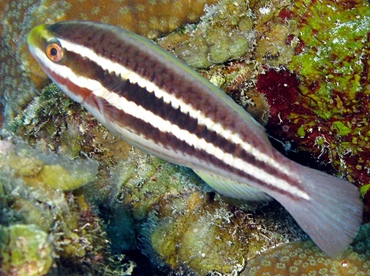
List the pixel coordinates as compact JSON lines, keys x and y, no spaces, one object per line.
{"x":333,"y":213}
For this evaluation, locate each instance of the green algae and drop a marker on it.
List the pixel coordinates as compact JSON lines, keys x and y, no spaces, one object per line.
{"x":331,"y":99}
{"x":365,"y":189}
{"x":342,"y":128}
{"x":335,"y":41}
{"x":301,"y":131}
{"x":25,"y":250}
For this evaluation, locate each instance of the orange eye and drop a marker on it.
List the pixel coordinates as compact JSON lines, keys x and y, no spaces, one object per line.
{"x":54,"y":52}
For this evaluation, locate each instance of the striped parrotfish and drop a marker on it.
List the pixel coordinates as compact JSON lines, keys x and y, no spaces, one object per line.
{"x":160,"y":105}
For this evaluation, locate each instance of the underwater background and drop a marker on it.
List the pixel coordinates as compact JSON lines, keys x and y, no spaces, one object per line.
{"x":76,"y":200}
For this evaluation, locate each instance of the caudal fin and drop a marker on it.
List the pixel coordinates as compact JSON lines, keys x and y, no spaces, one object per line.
{"x":333,"y":214}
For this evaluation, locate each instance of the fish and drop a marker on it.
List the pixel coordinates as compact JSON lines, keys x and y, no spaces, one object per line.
{"x":160,"y":105}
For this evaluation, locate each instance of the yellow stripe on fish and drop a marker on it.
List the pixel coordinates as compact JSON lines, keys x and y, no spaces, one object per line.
{"x":160,"y":105}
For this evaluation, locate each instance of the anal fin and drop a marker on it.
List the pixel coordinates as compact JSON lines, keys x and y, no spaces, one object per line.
{"x":232,"y":188}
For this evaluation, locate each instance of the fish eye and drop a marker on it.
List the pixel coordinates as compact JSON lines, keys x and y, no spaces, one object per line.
{"x":54,"y":51}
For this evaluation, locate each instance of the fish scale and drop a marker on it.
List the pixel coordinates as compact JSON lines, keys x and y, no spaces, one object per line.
{"x":157,"y":103}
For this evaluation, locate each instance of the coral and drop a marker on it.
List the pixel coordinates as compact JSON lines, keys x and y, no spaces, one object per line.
{"x":163,"y":217}
{"x":24,"y":250}
{"x":175,"y":212}
{"x":202,"y":240}
{"x":21,"y":76}
{"x":60,"y":224}
{"x":53,"y":122}
{"x":182,"y":223}
{"x":273,"y":44}
{"x":224,"y":33}
{"x":304,"y":258}
{"x":48,"y":171}
{"x":156,"y":198}
{"x":323,"y":105}
{"x":215,"y":41}
{"x":147,"y":18}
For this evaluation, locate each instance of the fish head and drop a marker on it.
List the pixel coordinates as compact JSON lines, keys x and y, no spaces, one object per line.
{"x":47,"y":45}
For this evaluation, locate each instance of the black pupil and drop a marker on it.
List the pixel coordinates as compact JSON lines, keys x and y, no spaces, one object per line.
{"x":53,"y":51}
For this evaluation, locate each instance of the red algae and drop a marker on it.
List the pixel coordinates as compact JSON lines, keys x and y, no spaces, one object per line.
{"x":281,"y":90}
{"x":320,"y":100}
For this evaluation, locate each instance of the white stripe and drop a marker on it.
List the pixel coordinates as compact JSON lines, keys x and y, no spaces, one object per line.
{"x":165,"y":126}
{"x":66,"y":73}
{"x":193,"y":140}
{"x":118,"y":69}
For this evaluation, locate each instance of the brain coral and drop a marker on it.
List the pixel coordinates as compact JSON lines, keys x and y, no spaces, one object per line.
{"x":304,"y":258}
{"x":21,"y":77}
